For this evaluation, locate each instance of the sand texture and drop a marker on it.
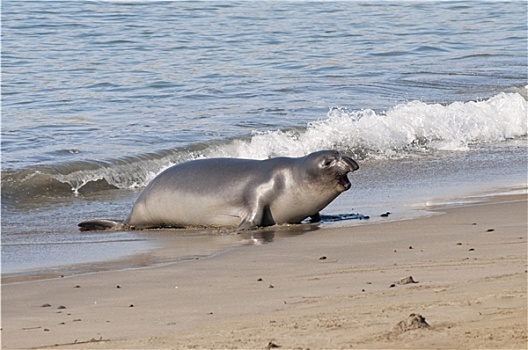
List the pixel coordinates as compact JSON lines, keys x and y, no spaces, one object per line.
{"x":453,"y":280}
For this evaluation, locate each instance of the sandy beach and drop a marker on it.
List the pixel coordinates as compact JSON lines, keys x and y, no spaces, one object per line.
{"x":461,"y":273}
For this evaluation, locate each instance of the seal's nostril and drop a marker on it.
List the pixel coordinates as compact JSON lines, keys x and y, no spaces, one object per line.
{"x":351,"y":163}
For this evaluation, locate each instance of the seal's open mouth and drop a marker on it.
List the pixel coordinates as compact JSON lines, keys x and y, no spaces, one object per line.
{"x":343,"y":181}
{"x":343,"y":178}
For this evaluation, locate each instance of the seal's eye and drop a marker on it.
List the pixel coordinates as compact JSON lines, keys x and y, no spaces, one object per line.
{"x":328,"y":162}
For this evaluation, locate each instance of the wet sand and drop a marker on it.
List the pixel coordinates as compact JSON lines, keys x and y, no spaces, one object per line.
{"x":331,"y":288}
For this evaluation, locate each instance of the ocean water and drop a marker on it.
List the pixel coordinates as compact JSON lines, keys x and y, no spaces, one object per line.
{"x":100,"y":96}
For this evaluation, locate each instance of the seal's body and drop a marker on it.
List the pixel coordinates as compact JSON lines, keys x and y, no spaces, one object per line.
{"x":239,"y":193}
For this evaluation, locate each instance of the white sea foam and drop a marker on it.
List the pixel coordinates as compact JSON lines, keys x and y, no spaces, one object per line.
{"x":406,"y":128}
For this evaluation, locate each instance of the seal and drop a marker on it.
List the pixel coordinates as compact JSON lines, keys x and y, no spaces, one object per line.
{"x":233,"y":192}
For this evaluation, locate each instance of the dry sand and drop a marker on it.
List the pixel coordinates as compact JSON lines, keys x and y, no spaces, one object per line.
{"x":328,"y":289}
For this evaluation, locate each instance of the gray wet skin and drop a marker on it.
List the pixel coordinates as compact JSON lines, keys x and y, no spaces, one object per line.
{"x":243,"y":193}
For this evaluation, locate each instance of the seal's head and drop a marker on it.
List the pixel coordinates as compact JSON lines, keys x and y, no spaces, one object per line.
{"x":332,"y":168}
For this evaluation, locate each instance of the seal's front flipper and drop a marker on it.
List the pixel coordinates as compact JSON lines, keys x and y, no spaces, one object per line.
{"x":260,"y":216}
{"x":102,"y":225}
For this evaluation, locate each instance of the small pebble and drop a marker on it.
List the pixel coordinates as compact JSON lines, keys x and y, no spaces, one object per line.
{"x":410,"y":247}
{"x":459,"y":243}
{"x":45,"y":305}
{"x":471,"y":249}
{"x":322,"y":258}
{"x":407,"y":280}
{"x":414,"y":321}
{"x":77,"y":286}
{"x":46,"y":330}
{"x":271,"y":286}
{"x":490,"y":230}
{"x":259,"y":280}
{"x":385,"y":215}
{"x":61,"y":307}
{"x":392,"y":285}
{"x":131,"y":305}
{"x":118,"y":287}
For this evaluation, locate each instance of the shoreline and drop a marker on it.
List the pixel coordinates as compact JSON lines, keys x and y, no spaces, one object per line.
{"x":327,"y":288}
{"x":198,"y":241}
{"x":381,"y":186}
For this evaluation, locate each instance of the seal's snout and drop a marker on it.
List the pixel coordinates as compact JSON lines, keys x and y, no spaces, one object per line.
{"x":351,"y":163}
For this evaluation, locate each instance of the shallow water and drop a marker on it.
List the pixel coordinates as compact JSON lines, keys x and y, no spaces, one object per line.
{"x":100,"y":96}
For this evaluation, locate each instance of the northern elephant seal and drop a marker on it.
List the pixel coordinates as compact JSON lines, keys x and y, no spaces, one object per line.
{"x":241,"y":193}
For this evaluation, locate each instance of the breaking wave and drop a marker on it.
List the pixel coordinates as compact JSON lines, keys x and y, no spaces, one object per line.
{"x":402,"y":131}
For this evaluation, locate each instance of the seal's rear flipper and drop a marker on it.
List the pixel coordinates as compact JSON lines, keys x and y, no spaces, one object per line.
{"x":101,"y":225}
